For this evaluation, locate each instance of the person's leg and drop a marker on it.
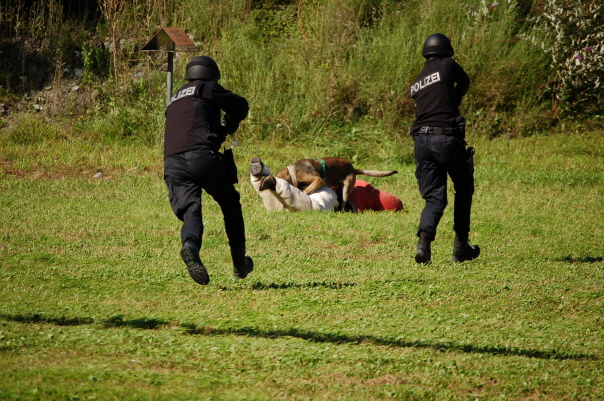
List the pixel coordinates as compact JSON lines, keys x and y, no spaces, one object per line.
{"x":323,"y":199}
{"x":214,"y":179}
{"x":461,"y":171}
{"x":462,"y":175}
{"x":257,"y":171}
{"x":210,"y":174}
{"x":432,"y":183}
{"x":185,"y":199}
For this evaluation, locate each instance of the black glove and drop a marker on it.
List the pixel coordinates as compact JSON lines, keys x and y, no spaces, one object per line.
{"x":229,"y":125}
{"x":460,"y":126}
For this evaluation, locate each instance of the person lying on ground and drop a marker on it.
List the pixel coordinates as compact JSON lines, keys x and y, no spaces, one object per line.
{"x":278,"y":194}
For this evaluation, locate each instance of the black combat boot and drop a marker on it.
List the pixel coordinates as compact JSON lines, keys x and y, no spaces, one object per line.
{"x":424,"y":254}
{"x":463,"y":251}
{"x":242,"y":264}
{"x":190,"y":255}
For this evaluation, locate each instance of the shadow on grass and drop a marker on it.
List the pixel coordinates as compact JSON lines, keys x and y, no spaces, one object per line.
{"x":192,"y":329}
{"x":115,"y":321}
{"x":149,"y":324}
{"x":586,"y":259}
{"x":59,"y":321}
{"x":281,"y":286}
{"x":346,"y":339}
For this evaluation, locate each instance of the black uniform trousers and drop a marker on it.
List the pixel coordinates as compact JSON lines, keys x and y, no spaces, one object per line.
{"x":185,"y":175}
{"x":435,"y":157}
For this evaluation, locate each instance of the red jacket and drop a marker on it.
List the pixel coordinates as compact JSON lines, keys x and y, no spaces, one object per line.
{"x":366,"y":197}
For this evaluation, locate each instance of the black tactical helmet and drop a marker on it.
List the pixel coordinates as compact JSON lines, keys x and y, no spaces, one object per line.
{"x":202,"y":67}
{"x":437,"y":45}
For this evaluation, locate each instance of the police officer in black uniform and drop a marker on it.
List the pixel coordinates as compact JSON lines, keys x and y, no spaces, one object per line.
{"x":193,"y":135}
{"x":440,"y":148}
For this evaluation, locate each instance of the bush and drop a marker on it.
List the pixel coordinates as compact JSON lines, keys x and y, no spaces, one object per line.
{"x":571,"y":33}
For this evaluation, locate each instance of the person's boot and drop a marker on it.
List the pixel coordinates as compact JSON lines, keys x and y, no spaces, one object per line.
{"x":256,"y":167}
{"x":242,"y":264}
{"x":463,"y":251}
{"x":424,"y":253}
{"x":190,"y":255}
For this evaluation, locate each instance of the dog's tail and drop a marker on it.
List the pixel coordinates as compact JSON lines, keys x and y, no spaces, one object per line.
{"x":375,"y":173}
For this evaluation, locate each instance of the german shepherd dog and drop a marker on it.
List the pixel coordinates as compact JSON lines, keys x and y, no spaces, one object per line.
{"x":335,"y":172}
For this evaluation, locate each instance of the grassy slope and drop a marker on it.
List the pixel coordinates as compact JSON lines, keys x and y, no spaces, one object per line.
{"x":94,"y":301}
{"x":306,"y":71}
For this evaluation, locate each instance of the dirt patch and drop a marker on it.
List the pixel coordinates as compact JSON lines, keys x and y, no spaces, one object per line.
{"x":8,"y":170}
{"x":383,"y":380}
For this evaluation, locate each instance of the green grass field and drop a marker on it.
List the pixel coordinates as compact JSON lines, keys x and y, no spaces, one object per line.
{"x":95,"y":303}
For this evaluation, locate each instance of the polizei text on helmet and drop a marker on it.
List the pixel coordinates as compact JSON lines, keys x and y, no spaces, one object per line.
{"x":425,"y":82}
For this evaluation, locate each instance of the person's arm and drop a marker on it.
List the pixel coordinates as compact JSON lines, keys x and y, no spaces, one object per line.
{"x":236,"y":107}
{"x":462,"y":80}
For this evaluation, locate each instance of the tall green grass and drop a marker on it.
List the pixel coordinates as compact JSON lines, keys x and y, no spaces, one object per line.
{"x":310,"y":69}
{"x":349,"y":70}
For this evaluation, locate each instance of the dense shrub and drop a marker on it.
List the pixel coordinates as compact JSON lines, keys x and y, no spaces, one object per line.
{"x":571,"y":33}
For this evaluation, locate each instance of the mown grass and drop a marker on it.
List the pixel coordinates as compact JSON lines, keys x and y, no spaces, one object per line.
{"x":96,"y":304}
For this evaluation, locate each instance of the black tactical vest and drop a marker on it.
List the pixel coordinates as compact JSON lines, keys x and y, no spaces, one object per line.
{"x":193,"y":120}
{"x":435,"y":94}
